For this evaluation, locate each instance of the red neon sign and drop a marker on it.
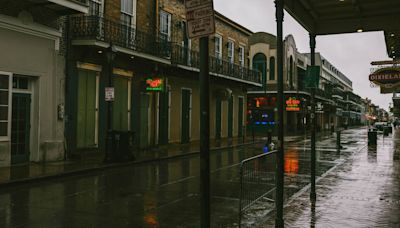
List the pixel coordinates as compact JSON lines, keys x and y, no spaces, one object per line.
{"x":154,"y":84}
{"x":293,"y":104}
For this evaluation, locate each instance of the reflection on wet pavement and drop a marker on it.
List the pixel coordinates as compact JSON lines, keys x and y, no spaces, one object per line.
{"x":166,"y":194}
{"x":362,"y":191}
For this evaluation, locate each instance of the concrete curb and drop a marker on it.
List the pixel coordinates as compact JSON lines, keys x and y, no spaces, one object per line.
{"x":103,"y":167}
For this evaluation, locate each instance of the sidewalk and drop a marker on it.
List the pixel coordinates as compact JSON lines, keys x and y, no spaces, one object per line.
{"x":93,"y":162}
{"x":363,"y":191}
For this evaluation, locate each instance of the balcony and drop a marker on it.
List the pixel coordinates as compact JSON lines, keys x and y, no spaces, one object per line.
{"x":70,"y":6}
{"x":96,"y":28}
{"x":92,"y":29}
{"x":218,"y":67}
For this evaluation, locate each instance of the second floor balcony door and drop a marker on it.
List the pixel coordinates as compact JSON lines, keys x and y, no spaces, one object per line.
{"x":128,"y":20}
{"x":165,"y":32}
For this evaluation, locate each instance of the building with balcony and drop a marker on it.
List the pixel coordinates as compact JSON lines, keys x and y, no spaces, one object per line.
{"x":124,"y":45}
{"x":32,"y":79}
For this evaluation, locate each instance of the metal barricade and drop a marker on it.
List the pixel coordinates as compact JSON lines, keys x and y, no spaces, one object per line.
{"x":257,"y":180}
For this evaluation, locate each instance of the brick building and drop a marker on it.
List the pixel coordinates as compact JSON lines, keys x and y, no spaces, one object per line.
{"x":123,"y":44}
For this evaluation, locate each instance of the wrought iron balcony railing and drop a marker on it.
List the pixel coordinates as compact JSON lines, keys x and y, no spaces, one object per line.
{"x":187,"y":57}
{"x":101,"y":29}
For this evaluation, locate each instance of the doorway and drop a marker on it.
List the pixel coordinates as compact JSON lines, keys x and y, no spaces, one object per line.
{"x":20,"y":127}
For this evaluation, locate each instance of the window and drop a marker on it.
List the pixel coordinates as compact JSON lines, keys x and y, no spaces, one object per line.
{"x":127,"y":15}
{"x":231,"y":51}
{"x":95,"y":7}
{"x":5,"y":100}
{"x":165,"y":25}
{"x":272,"y":68}
{"x":218,"y":46}
{"x":241,"y":56}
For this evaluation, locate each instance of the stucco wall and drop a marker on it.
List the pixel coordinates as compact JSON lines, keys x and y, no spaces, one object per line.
{"x":34,"y":56}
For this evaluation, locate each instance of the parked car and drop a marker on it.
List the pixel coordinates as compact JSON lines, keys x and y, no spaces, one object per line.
{"x":380,"y":125}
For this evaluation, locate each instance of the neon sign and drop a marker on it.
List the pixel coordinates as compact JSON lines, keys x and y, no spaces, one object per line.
{"x":154,"y":84}
{"x":293,"y":104}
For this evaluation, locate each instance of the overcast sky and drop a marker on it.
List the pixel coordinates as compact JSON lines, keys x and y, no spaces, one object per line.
{"x":350,"y":53}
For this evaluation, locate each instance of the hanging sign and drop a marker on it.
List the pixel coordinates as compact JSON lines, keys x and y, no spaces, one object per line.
{"x":200,"y":18}
{"x":109,"y":93}
{"x":388,"y":78}
{"x":293,"y":104}
{"x":312,"y":77}
{"x":155,"y":84}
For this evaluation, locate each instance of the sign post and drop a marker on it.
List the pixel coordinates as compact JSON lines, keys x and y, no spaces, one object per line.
{"x":201,"y":24}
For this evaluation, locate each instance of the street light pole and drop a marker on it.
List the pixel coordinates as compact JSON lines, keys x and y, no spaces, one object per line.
{"x":204,"y":133}
{"x":280,"y":155}
{"x":110,"y":55}
{"x":313,"y":195}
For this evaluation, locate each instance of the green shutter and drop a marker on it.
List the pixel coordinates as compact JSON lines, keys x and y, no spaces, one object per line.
{"x":120,"y":105}
{"x":86,"y":116}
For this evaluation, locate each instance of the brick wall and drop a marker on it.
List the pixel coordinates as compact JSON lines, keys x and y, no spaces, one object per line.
{"x":112,"y":9}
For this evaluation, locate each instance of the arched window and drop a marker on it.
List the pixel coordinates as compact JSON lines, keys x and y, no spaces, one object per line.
{"x":260,"y":64}
{"x":291,"y":73}
{"x":272,"y":68}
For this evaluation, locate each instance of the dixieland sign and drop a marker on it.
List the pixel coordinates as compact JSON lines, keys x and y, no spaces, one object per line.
{"x":385,"y":75}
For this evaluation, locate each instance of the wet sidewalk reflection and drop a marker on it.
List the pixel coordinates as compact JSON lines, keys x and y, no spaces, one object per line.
{"x":362,"y":191}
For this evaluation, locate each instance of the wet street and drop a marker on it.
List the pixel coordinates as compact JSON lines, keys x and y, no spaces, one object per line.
{"x":166,"y":194}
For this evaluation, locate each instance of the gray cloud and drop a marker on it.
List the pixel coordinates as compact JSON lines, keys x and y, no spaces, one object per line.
{"x":350,"y":53}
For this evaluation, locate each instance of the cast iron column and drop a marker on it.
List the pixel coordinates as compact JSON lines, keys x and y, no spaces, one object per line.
{"x":204,"y":133}
{"x":313,"y":195}
{"x":110,"y":55}
{"x":280,"y":155}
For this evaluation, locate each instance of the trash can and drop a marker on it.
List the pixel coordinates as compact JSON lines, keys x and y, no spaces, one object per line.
{"x":122,"y":146}
{"x":372,"y":137}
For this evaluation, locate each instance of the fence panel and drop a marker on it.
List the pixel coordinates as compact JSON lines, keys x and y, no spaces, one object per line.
{"x":257,"y":181}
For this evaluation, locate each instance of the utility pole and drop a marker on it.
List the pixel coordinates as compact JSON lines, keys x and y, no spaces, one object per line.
{"x":204,"y":133}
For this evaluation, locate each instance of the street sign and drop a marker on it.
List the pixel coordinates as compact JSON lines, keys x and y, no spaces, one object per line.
{"x":109,"y":93}
{"x":200,"y":18}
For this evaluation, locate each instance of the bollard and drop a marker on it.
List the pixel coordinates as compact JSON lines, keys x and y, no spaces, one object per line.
{"x":385,"y":131}
{"x":338,"y":146}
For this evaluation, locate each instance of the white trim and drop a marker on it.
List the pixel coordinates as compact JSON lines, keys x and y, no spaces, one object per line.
{"x":129,"y":102}
{"x":72,"y":5}
{"x":143,"y":55}
{"x":32,"y":28}
{"x":96,"y":115}
{"x":233,"y":114}
{"x":10,"y":79}
{"x":243,"y":114}
{"x":190,"y":113}
{"x":90,"y":43}
{"x":122,"y":72}
{"x":157,"y":123}
{"x":169,"y":110}
{"x":219,"y":56}
{"x":241,"y":47}
{"x":232,"y":51}
{"x":89,"y":66}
